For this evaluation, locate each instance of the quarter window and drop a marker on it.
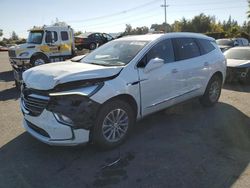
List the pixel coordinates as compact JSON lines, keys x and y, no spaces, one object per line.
{"x":64,"y":35}
{"x":206,"y":46}
{"x":185,"y":48}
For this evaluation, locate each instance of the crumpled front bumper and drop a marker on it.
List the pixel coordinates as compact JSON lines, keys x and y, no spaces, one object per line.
{"x":48,"y":130}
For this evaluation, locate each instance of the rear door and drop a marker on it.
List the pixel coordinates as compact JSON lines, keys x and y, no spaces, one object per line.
{"x":192,"y":66}
{"x":66,"y":43}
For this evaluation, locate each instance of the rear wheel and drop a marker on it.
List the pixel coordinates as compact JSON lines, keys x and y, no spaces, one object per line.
{"x":92,"y":46}
{"x":80,"y":48}
{"x":213,"y":91}
{"x":113,"y":124}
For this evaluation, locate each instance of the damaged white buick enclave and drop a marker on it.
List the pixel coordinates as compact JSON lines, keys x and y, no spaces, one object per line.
{"x":99,"y":98}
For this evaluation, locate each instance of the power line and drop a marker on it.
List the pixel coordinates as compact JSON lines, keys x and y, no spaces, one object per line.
{"x":207,"y":3}
{"x":119,"y":19}
{"x":222,"y":8}
{"x":129,"y":22}
{"x":114,"y":14}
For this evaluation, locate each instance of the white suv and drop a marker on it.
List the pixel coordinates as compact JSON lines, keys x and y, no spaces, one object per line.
{"x":100,"y":97}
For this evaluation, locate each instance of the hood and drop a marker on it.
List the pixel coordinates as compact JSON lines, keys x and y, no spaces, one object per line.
{"x":22,"y":46}
{"x":238,"y":63}
{"x":46,"y":77}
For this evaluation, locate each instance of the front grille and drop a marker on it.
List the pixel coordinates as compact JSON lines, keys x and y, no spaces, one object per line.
{"x":37,"y":129}
{"x":34,"y":103}
{"x":12,"y":53}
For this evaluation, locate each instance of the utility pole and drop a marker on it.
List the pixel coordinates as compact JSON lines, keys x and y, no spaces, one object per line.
{"x":165,"y":11}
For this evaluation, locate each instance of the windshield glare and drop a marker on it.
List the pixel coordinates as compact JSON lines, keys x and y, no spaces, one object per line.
{"x":241,"y":54}
{"x":115,"y":53}
{"x":35,"y":37}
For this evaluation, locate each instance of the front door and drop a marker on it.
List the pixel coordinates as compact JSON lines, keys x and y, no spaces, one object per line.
{"x":159,"y":86}
{"x":53,"y":44}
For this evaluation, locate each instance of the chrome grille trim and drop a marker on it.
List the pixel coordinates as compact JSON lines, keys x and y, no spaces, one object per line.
{"x":33,"y":103}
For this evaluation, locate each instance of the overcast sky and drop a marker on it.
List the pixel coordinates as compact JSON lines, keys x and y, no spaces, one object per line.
{"x":111,"y":15}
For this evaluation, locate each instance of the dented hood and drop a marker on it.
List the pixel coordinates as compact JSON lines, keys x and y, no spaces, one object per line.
{"x":46,"y":77}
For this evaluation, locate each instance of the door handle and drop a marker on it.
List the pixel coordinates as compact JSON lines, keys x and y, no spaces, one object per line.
{"x":206,"y":64}
{"x":174,"y":71}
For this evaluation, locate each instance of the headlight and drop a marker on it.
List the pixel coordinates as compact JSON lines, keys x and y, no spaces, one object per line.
{"x":63,"y":119}
{"x":84,"y":91}
{"x":24,"y":54}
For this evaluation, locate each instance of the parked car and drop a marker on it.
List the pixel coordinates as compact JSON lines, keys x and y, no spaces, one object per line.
{"x":226,"y":44}
{"x":3,"y":48}
{"x":238,"y":64}
{"x":100,"y":97}
{"x":91,"y":40}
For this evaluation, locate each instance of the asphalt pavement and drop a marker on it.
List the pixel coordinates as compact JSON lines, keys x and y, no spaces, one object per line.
{"x":184,"y":146}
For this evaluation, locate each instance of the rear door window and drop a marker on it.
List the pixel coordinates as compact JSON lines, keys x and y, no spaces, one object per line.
{"x":185,"y":48}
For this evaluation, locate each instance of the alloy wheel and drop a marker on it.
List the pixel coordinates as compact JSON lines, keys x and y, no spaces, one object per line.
{"x":115,"y":125}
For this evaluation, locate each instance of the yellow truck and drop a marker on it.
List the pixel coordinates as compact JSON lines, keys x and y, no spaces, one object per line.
{"x":44,"y":44}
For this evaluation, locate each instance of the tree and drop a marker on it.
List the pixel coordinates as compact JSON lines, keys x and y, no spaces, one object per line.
{"x":161,"y":27}
{"x":14,"y":36}
{"x":248,"y":12}
{"x":201,"y":23}
{"x":1,"y":32}
{"x":128,"y":30}
{"x":78,"y":33}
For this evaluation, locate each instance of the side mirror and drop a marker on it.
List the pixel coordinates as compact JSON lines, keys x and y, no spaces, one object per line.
{"x":153,"y":64}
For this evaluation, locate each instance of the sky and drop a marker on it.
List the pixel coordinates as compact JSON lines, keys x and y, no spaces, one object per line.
{"x":110,"y":16}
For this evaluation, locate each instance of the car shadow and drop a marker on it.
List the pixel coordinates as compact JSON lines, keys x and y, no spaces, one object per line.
{"x":8,"y":94}
{"x":6,"y":76}
{"x":184,"y":146}
{"x":237,"y":86}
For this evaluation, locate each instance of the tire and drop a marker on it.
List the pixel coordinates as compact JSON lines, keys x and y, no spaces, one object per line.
{"x":80,"y":48}
{"x":92,"y":46}
{"x":39,"y":60}
{"x":18,"y":85}
{"x":107,"y":129}
{"x":212,"y":93}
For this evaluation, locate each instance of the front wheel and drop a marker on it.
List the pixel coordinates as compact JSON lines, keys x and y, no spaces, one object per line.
{"x":39,"y":60}
{"x":213,"y":91}
{"x":113,"y":124}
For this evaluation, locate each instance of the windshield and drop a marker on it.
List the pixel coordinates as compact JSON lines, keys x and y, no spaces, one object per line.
{"x":241,"y":54}
{"x":115,"y":53}
{"x":225,"y":42}
{"x":35,"y":37}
